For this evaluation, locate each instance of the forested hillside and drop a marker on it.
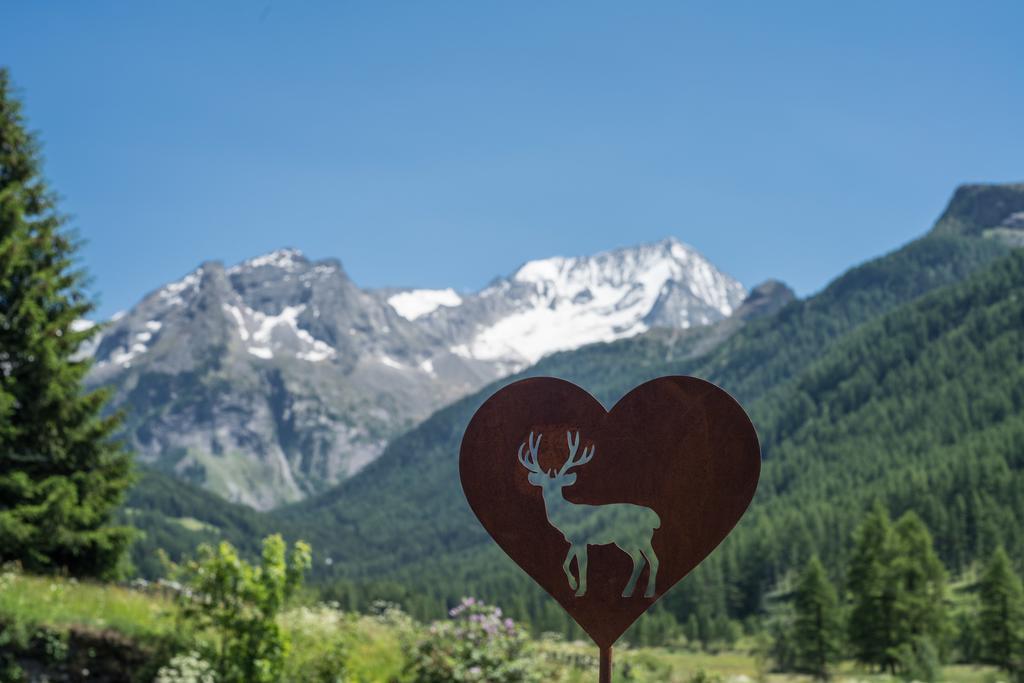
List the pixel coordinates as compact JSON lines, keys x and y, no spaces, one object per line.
{"x":175,"y":517}
{"x":772,"y":350}
{"x":922,"y":409}
{"x":405,"y":519}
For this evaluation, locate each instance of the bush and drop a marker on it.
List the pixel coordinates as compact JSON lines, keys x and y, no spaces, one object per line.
{"x":319,"y":635}
{"x":186,"y":668}
{"x":477,"y":644}
{"x":918,"y":661}
{"x":240,"y":604}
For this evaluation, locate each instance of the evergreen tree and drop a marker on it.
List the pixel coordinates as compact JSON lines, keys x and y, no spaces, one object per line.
{"x":816,"y":626}
{"x":870,"y":628}
{"x":61,"y":474}
{"x":920,"y":617}
{"x":691,"y":630}
{"x":897,"y":586}
{"x":778,"y":637}
{"x":1001,"y":617}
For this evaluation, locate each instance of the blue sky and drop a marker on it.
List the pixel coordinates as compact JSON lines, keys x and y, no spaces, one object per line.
{"x":442,"y":144}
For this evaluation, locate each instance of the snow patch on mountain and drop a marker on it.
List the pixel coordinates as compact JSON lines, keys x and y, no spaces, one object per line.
{"x":135,"y":344}
{"x":172,"y":293}
{"x":265,"y":332}
{"x":261,"y":352}
{"x":286,"y":259}
{"x":416,"y":303}
{"x":392,"y":363}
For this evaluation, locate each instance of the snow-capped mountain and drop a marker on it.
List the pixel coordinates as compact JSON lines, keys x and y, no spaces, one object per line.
{"x":278,"y":377}
{"x":272,"y":379}
{"x":562,"y":303}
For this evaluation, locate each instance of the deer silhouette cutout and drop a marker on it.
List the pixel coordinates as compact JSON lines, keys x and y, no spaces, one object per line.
{"x":630,"y":527}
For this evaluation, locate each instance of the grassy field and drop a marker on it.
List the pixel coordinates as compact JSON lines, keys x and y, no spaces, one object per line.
{"x":61,"y":603}
{"x":740,"y":666}
{"x":372,"y":647}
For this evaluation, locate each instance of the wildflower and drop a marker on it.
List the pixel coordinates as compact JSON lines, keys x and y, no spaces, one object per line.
{"x":477,"y":644}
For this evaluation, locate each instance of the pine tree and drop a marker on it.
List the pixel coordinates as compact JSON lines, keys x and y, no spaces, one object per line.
{"x":920,"y":618}
{"x":61,"y":474}
{"x":897,"y":586}
{"x":816,"y":626}
{"x":1001,"y":617}
{"x":870,"y":628}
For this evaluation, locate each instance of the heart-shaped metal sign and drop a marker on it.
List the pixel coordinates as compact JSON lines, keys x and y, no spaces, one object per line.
{"x":607,"y":510}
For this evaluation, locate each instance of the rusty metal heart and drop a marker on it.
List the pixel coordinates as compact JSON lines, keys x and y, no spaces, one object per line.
{"x":607,"y":510}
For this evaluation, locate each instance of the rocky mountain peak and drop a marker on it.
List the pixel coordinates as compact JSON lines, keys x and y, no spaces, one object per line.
{"x":765,"y":299}
{"x":560,"y":303}
{"x":286,"y":258}
{"x":982,"y":209}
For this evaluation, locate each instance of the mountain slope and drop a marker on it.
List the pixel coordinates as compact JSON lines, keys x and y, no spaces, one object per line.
{"x":174,"y":516}
{"x":272,"y":379}
{"x":276,"y":378}
{"x":774,"y":350}
{"x":922,"y":408}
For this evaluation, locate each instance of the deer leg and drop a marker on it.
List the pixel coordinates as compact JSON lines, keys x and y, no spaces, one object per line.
{"x":638,"y":566}
{"x":567,"y":566}
{"x":581,"y":564}
{"x":652,"y":561}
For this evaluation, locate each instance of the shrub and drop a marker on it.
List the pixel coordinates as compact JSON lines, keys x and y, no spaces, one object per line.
{"x":240,"y":604}
{"x":702,"y":676}
{"x":918,"y":661}
{"x":319,"y":635}
{"x":476,"y":644}
{"x":188,"y":667}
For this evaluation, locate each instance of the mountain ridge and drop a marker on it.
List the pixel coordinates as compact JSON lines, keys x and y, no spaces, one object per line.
{"x":274,"y":378}
{"x":994,"y":210}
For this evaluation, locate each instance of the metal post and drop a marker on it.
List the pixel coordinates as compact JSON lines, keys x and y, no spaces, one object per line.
{"x":605,"y":674}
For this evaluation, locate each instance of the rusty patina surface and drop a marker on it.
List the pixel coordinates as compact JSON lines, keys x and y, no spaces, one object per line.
{"x":559,"y":482}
